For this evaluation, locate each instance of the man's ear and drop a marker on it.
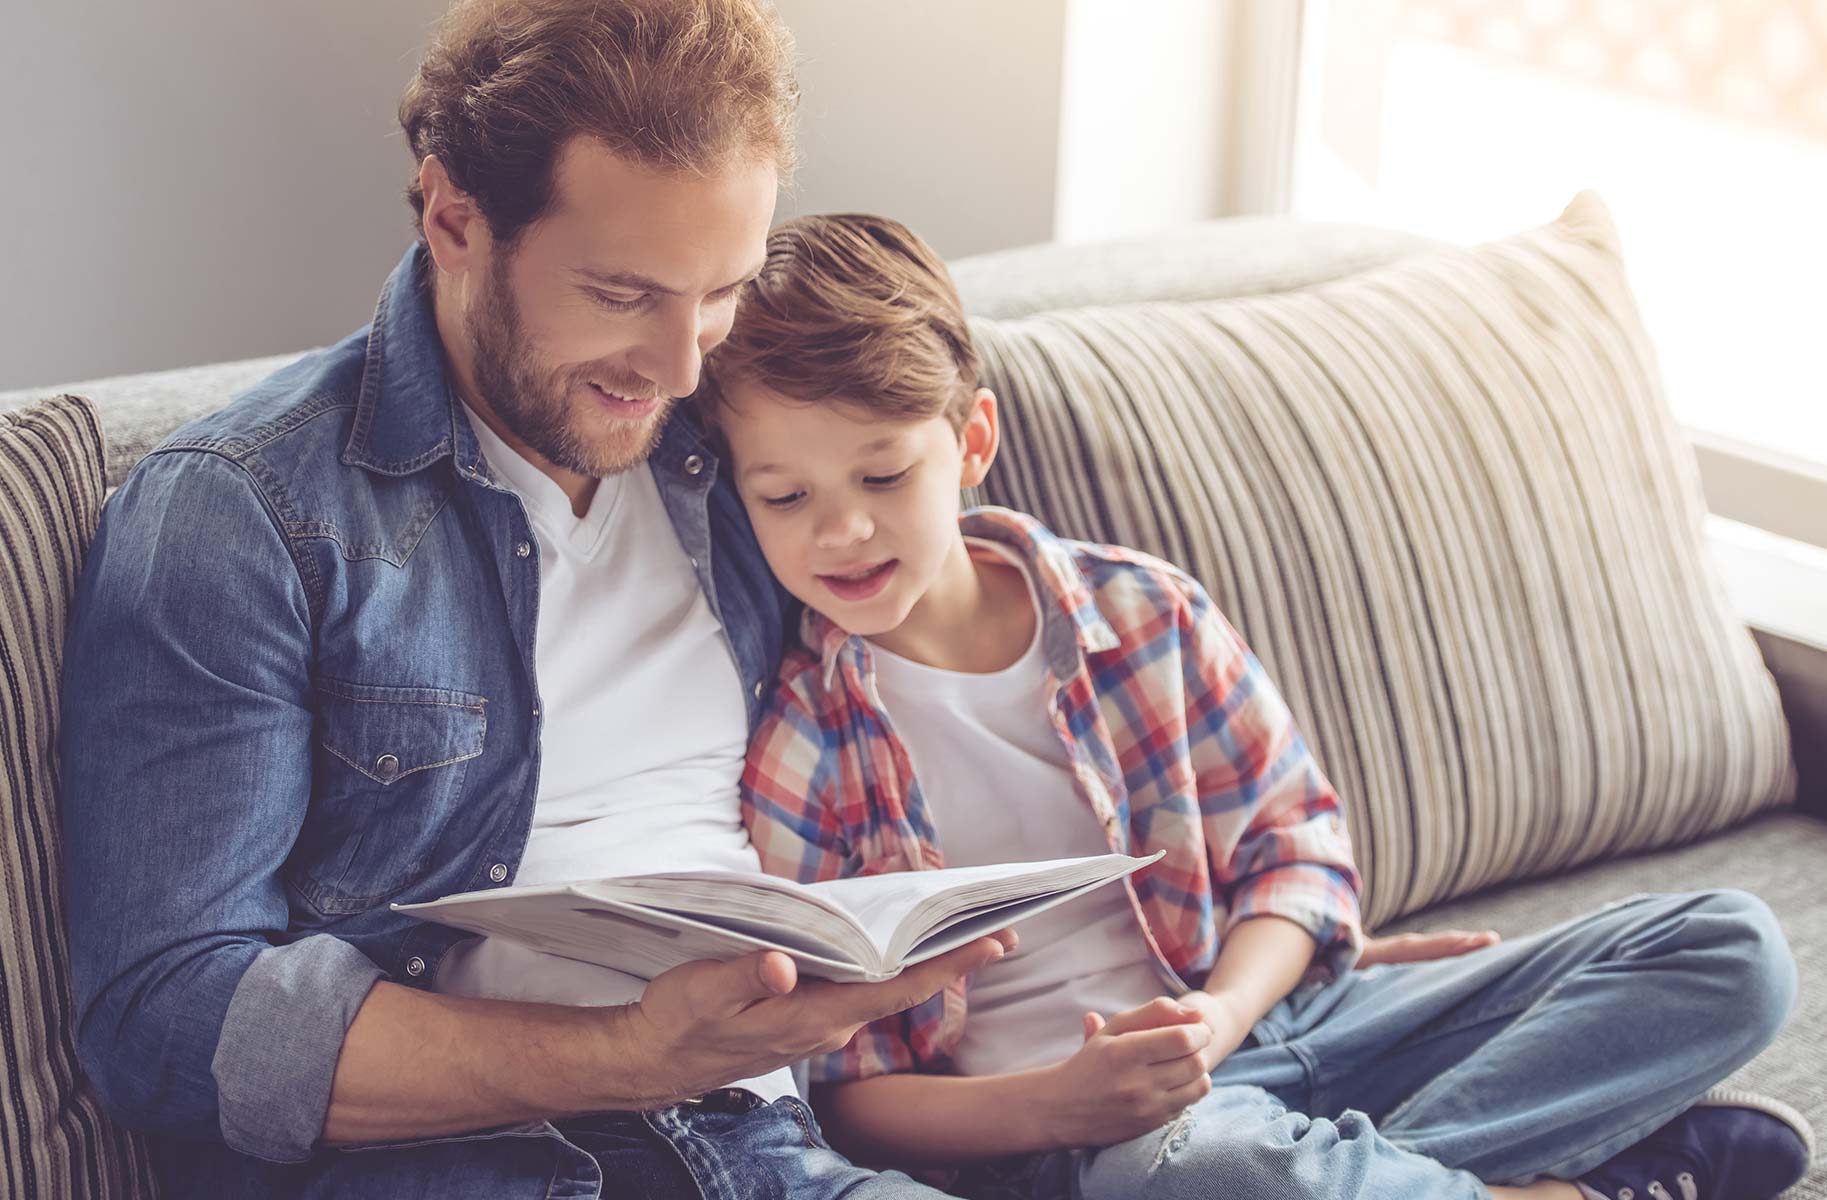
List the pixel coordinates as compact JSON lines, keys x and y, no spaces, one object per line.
{"x":979,"y":438}
{"x":455,"y":231}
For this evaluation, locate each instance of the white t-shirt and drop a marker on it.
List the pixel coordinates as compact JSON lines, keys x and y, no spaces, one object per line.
{"x":998,"y":784}
{"x":644,"y":725}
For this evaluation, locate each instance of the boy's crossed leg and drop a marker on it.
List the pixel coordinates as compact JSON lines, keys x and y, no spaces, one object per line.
{"x":1544,"y":1059}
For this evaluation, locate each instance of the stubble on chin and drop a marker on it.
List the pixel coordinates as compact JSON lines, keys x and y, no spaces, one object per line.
{"x":539,"y":403}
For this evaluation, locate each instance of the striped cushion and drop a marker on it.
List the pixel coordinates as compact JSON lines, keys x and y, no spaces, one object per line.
{"x":54,"y":1142}
{"x":1445,"y":502}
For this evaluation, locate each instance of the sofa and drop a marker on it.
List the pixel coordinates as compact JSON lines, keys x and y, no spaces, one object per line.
{"x":1436,"y":488}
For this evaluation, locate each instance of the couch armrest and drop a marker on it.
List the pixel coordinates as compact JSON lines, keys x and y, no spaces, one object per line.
{"x":1800,"y":670}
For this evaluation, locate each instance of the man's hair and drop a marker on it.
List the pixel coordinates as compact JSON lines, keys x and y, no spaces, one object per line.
{"x":854,"y":309}
{"x":683,"y":86}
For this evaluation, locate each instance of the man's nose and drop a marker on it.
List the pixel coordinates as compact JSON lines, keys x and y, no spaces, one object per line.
{"x":671,"y":356}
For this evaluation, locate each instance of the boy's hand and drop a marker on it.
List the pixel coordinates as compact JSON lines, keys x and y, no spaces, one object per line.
{"x":1421,"y":947}
{"x":1227,"y":1018}
{"x":705,"y":1025}
{"x":1133,"y":1074}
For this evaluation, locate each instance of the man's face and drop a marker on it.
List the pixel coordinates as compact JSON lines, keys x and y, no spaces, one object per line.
{"x":587,"y":329}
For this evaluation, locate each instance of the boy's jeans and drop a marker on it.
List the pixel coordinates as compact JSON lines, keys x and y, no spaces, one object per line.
{"x":1540,"y":1057}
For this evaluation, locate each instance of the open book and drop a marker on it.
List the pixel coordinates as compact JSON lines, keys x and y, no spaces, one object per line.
{"x":862,"y":929}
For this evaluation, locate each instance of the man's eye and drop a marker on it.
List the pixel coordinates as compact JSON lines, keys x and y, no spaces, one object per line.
{"x":614,"y":305}
{"x":782,"y":502}
{"x":883,"y":481}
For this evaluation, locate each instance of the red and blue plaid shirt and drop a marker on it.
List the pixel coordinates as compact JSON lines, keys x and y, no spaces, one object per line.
{"x":1177,"y":739}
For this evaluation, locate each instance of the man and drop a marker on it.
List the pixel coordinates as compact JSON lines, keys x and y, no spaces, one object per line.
{"x":459,"y":602}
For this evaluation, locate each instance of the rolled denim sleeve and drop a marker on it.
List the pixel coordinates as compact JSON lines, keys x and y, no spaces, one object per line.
{"x":186,"y":750}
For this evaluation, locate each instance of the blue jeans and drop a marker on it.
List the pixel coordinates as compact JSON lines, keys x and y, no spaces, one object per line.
{"x":729,"y":1146}
{"x":1537,"y":1058}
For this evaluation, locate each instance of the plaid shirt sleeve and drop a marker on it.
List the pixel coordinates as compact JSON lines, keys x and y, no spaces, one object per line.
{"x":790,"y":803}
{"x":1275,"y":830}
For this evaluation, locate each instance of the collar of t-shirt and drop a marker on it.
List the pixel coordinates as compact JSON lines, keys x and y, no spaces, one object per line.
{"x":547,"y":505}
{"x":931,"y":686}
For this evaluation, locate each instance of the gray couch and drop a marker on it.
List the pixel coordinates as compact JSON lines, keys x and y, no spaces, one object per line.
{"x":1779,"y":855}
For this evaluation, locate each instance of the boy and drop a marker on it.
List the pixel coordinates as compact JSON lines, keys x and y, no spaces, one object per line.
{"x":976,"y":689}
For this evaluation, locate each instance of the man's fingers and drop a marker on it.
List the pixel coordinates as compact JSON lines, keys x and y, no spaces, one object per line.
{"x":1158,"y":1013}
{"x":1093,"y":1022}
{"x":918,"y":983}
{"x":759,"y":976}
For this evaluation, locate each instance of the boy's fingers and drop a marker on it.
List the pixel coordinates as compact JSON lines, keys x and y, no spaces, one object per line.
{"x":1158,"y":1013}
{"x":1153,"y":1046}
{"x":1422,"y":947}
{"x":1189,"y":1093}
{"x":1176,"y":1073}
{"x":1093,"y":1022}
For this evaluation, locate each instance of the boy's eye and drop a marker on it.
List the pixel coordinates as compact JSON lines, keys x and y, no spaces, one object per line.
{"x":887,"y":480}
{"x":782,"y":502}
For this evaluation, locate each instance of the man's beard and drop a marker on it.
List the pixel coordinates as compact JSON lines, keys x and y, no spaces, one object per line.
{"x":533,"y":399}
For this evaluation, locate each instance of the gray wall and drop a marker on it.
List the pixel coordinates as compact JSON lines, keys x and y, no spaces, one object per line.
{"x":217,"y":179}
{"x":195,"y":181}
{"x":941,"y":113}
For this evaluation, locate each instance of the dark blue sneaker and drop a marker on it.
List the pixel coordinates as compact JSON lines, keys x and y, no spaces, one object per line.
{"x":1729,"y":1146}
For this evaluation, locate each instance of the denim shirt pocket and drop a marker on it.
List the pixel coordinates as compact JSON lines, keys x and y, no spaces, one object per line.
{"x":388,"y":771}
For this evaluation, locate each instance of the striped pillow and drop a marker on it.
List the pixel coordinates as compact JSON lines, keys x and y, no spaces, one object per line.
{"x":1446,"y":504}
{"x":54,"y":1141}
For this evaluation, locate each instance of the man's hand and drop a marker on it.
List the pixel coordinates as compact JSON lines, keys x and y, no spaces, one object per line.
{"x":1133,"y":1074}
{"x":1421,"y":947}
{"x":707,"y":1024}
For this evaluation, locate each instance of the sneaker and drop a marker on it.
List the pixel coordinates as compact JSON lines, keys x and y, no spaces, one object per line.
{"x":1730,"y":1146}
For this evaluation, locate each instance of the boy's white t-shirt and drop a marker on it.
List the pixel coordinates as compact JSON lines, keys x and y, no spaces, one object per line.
{"x":998,"y":783}
{"x":644,"y":725}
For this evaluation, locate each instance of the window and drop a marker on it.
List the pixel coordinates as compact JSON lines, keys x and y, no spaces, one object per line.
{"x":1702,"y":123}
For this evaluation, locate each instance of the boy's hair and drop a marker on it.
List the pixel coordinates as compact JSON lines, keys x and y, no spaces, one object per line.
{"x":855,"y":309}
{"x":677,"y":85}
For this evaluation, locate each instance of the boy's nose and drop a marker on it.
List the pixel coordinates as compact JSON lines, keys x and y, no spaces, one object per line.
{"x":844,"y":527}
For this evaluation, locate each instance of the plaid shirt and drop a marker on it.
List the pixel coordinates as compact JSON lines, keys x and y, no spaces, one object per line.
{"x":1177,"y":739}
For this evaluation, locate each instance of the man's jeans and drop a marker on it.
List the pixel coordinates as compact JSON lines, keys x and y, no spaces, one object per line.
{"x":728,"y":1146}
{"x":1540,"y":1057}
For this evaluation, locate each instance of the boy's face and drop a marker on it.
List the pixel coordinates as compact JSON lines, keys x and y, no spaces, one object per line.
{"x":858,"y":516}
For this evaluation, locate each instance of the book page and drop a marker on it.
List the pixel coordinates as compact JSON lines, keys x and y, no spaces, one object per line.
{"x":896,"y":910}
{"x":568,"y":921}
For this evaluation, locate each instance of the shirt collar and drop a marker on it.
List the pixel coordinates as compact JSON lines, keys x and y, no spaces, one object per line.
{"x":407,"y":417}
{"x":1071,"y":625}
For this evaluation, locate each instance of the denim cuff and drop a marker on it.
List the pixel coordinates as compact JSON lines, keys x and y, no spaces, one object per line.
{"x":280,"y":1043}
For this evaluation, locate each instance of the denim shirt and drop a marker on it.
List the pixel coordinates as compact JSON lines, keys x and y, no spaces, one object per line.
{"x":299,"y":686}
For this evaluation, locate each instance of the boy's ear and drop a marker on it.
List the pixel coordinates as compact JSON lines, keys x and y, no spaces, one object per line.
{"x":979,"y":438}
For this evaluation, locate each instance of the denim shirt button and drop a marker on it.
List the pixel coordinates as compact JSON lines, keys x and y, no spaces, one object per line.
{"x":758,"y":689}
{"x":694,"y":465}
{"x":522,"y":549}
{"x":498,"y":872}
{"x":415,"y":966}
{"x":386,"y":767}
